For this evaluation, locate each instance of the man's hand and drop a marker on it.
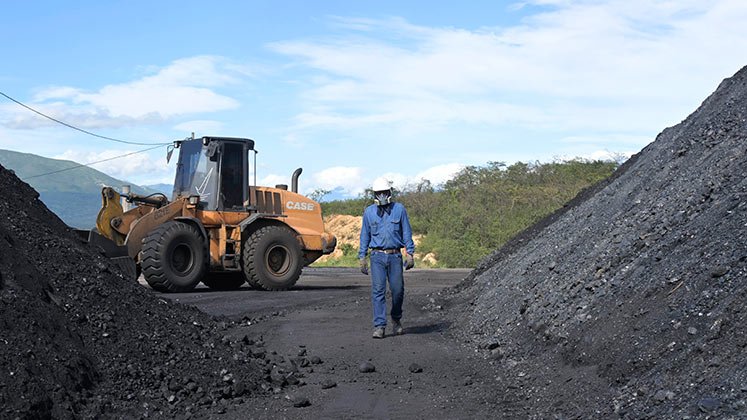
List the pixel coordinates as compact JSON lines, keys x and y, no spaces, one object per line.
{"x":364,"y":265}
{"x":409,"y":262}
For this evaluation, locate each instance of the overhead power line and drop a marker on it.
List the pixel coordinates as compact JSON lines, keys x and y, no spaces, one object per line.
{"x":91,"y":163}
{"x":80,"y":129}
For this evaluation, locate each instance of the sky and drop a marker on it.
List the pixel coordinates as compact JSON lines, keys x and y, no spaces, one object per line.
{"x":356,"y":90}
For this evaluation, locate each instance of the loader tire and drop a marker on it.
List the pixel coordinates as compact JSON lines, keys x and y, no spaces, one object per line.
{"x":272,"y":258}
{"x":224,"y":281}
{"x":174,"y":257}
{"x":253,"y":283}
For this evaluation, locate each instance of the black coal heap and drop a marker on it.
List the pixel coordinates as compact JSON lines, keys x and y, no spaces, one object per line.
{"x":632,"y":300}
{"x":78,"y":340}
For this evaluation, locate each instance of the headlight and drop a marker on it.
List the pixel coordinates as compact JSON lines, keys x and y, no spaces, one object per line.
{"x":194,"y":199}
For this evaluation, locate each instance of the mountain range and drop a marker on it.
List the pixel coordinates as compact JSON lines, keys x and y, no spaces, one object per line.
{"x":73,"y":194}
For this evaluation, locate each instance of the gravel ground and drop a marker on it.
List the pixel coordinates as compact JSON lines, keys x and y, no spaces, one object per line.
{"x":322,"y":331}
{"x":630,"y":301}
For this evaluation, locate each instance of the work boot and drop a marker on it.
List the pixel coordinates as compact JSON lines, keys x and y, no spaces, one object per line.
{"x":378,"y":332}
{"x":397,"y":327}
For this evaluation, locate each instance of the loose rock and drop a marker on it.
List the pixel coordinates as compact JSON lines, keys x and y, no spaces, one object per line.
{"x":708,"y":405}
{"x":299,"y":400}
{"x":366,"y":367}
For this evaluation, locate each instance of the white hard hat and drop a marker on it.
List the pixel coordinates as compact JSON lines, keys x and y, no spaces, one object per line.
{"x":380,"y":184}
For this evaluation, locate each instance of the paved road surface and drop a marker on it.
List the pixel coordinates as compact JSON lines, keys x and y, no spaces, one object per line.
{"x":328,"y":314}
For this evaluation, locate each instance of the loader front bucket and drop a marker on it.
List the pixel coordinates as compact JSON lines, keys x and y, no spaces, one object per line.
{"x":115,"y":253}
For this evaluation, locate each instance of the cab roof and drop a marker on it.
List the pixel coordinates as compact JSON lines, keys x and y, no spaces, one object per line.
{"x":208,"y":139}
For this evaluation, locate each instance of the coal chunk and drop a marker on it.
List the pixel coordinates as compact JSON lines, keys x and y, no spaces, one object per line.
{"x":299,"y":400}
{"x":366,"y":367}
{"x":328,"y":383}
{"x":709,"y":404}
{"x":415,"y":368}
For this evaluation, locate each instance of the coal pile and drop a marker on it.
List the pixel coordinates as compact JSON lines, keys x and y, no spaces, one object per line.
{"x":631,"y":302}
{"x":77,"y":340}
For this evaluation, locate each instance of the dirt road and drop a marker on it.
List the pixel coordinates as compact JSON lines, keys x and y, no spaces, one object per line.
{"x":329,"y":315}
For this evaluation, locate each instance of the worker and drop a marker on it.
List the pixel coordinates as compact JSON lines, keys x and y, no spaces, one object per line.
{"x":384,"y":232}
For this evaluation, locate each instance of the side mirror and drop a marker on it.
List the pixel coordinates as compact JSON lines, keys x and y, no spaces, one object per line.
{"x":212,"y":151}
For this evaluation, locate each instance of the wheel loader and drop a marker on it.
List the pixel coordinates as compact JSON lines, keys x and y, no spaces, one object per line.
{"x":219,"y":228}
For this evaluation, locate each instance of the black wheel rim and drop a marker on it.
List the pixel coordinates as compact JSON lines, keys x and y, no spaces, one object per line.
{"x":182,"y":259}
{"x":278,"y":260}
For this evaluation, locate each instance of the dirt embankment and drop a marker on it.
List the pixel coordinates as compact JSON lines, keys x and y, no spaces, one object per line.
{"x":632,"y":300}
{"x":347,"y":229}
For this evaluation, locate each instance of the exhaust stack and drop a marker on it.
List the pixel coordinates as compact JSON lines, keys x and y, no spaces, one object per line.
{"x":294,"y":179}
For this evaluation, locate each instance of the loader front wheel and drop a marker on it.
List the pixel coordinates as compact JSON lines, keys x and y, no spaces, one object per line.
{"x":174,"y":257}
{"x":272,"y":258}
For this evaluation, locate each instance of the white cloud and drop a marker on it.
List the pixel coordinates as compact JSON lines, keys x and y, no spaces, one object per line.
{"x":140,"y":168}
{"x":82,"y":116}
{"x":607,"y":155}
{"x":397,"y":180}
{"x":439,"y":174}
{"x":271,"y":180}
{"x":186,"y":86}
{"x":349,"y":179}
{"x":352,"y":181}
{"x":621,"y":66}
{"x":424,"y":114}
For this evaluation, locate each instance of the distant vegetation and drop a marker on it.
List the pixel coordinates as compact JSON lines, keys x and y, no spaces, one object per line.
{"x":463,"y":220}
{"x":482,"y":207}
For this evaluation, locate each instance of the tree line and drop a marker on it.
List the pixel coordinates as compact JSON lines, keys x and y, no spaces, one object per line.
{"x":482,"y":207}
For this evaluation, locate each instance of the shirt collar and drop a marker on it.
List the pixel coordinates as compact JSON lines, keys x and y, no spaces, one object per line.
{"x":381,"y":209}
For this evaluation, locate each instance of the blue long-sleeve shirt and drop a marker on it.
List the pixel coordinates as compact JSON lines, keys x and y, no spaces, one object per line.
{"x":386,"y":227}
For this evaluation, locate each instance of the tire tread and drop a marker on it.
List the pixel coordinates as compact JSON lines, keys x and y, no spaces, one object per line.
{"x":151,"y":263}
{"x":250,"y":252}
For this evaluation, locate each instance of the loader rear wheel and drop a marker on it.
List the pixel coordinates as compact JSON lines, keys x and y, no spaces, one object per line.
{"x":272,"y":258}
{"x":224,"y":281}
{"x":174,"y":257}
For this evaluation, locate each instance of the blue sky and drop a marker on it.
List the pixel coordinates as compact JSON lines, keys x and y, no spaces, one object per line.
{"x":355,"y":90}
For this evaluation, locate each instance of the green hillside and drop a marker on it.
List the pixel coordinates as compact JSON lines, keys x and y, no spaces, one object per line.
{"x":482,"y":207}
{"x":74,"y":195}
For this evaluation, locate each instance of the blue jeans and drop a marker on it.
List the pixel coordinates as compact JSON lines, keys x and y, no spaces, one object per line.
{"x":386,"y":267}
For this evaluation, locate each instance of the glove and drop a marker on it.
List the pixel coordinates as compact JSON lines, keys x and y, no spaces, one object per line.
{"x":364,"y":265}
{"x":409,"y":262}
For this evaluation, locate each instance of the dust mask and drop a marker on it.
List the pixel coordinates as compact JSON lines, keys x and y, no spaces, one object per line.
{"x":382,"y":198}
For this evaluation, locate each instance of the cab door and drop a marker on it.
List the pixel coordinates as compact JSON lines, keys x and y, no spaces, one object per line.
{"x":233,"y":177}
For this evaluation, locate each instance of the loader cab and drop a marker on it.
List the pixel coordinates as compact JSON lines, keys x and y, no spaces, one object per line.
{"x":217,"y":170}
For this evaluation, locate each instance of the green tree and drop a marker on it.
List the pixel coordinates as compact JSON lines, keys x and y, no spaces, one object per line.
{"x":482,"y":207}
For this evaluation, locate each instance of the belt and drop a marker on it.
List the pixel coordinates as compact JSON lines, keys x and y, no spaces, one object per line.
{"x":386,"y":251}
